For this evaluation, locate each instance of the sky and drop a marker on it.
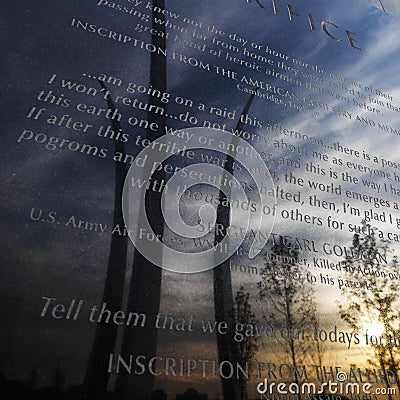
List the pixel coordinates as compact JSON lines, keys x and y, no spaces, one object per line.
{"x":389,"y":6}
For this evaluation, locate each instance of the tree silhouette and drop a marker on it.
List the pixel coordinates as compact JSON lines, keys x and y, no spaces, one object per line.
{"x":243,"y":315}
{"x":291,"y":302}
{"x":318,"y":353}
{"x":376,"y":304}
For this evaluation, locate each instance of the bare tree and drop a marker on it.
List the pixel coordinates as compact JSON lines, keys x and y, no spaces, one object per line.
{"x":318,"y":353}
{"x":374,"y":300}
{"x":248,"y":346}
{"x":291,"y":302}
